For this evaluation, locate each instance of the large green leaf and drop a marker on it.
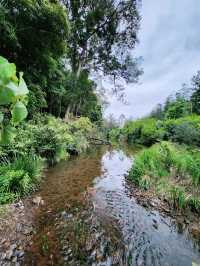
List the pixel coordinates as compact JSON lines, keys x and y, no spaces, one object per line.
{"x":7,"y":71}
{"x":19,"y":112}
{"x":6,"y":95}
{"x":11,"y":86}
{"x":3,"y":60}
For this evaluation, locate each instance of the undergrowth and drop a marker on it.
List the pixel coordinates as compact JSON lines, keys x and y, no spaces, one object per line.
{"x":172,"y":171}
{"x":43,"y":139}
{"x":19,"y":177}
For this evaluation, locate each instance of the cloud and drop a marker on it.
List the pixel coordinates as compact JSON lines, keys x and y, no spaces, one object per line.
{"x":169,"y":43}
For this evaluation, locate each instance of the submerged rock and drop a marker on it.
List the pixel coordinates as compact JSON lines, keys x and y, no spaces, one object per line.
{"x":38,"y":201}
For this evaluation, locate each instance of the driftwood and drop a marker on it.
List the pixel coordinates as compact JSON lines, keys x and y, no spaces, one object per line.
{"x":97,"y":141}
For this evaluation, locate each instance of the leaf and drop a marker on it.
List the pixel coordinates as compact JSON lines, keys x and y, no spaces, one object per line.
{"x":1,"y":117}
{"x":7,"y":71}
{"x":11,"y":86}
{"x":19,"y":112}
{"x":6,"y":95}
{"x":7,"y":135}
{"x":22,"y":85}
{"x":3,"y":60}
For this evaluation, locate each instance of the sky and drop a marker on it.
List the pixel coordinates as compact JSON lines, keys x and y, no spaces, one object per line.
{"x":169,"y":42}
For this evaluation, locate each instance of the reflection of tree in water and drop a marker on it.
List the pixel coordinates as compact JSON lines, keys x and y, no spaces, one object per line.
{"x":111,"y":153}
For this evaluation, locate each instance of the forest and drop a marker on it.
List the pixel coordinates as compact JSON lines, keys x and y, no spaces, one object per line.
{"x":77,"y":187}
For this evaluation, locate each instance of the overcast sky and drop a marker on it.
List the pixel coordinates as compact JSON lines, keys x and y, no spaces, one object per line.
{"x":170,"y":47}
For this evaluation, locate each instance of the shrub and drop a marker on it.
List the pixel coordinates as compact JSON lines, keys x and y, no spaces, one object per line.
{"x":48,"y":138}
{"x":115,"y":134}
{"x":83,"y":124}
{"x":183,"y":130}
{"x":144,"y":131}
{"x":19,"y":177}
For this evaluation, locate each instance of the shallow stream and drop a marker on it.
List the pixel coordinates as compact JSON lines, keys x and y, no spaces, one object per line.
{"x":90,"y":218}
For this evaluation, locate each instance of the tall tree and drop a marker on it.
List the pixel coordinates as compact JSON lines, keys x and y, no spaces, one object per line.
{"x":103,"y":33}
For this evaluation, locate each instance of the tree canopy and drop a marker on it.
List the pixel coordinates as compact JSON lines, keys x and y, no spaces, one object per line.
{"x":102,"y":36}
{"x":58,"y":43}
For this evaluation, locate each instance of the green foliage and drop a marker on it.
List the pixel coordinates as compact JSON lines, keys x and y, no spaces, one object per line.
{"x":178,"y":197}
{"x":19,"y":177}
{"x":50,"y":138}
{"x":34,"y":36}
{"x":195,"y":97}
{"x":76,"y":97}
{"x":98,"y":24}
{"x":83,"y":124}
{"x":183,"y":130}
{"x":144,"y":131}
{"x":42,"y":57}
{"x":176,"y":108}
{"x":114,"y":134}
{"x":13,"y":99}
{"x":165,"y":165}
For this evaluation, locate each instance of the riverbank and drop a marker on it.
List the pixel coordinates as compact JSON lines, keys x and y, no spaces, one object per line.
{"x":184,"y":220}
{"x":16,"y":230}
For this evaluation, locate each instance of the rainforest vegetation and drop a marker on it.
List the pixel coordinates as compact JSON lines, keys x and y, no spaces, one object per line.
{"x":76,"y":187}
{"x":170,"y":162}
{"x":49,"y":107}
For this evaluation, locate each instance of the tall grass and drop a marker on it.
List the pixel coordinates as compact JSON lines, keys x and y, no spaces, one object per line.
{"x":19,"y":177}
{"x":171,"y":169}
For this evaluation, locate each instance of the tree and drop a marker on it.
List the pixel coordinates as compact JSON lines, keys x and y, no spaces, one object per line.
{"x":79,"y":97}
{"x":34,"y":36}
{"x":157,"y":112}
{"x":103,"y":33}
{"x":195,"y":97}
{"x":177,"y":107}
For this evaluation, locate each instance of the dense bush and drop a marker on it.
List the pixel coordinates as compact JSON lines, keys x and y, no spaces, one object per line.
{"x":183,"y":130}
{"x":50,"y":138}
{"x":174,"y":170}
{"x":144,"y":131}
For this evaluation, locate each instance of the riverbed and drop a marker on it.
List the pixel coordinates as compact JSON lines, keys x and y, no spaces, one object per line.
{"x":89,"y":217}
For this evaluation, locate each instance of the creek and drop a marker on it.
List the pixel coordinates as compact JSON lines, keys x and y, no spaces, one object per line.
{"x":89,"y":217}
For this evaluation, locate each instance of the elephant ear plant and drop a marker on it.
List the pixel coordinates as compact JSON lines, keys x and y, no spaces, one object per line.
{"x":13,"y":100}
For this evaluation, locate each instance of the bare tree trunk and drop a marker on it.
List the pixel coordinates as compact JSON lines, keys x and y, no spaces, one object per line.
{"x":67,"y":113}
